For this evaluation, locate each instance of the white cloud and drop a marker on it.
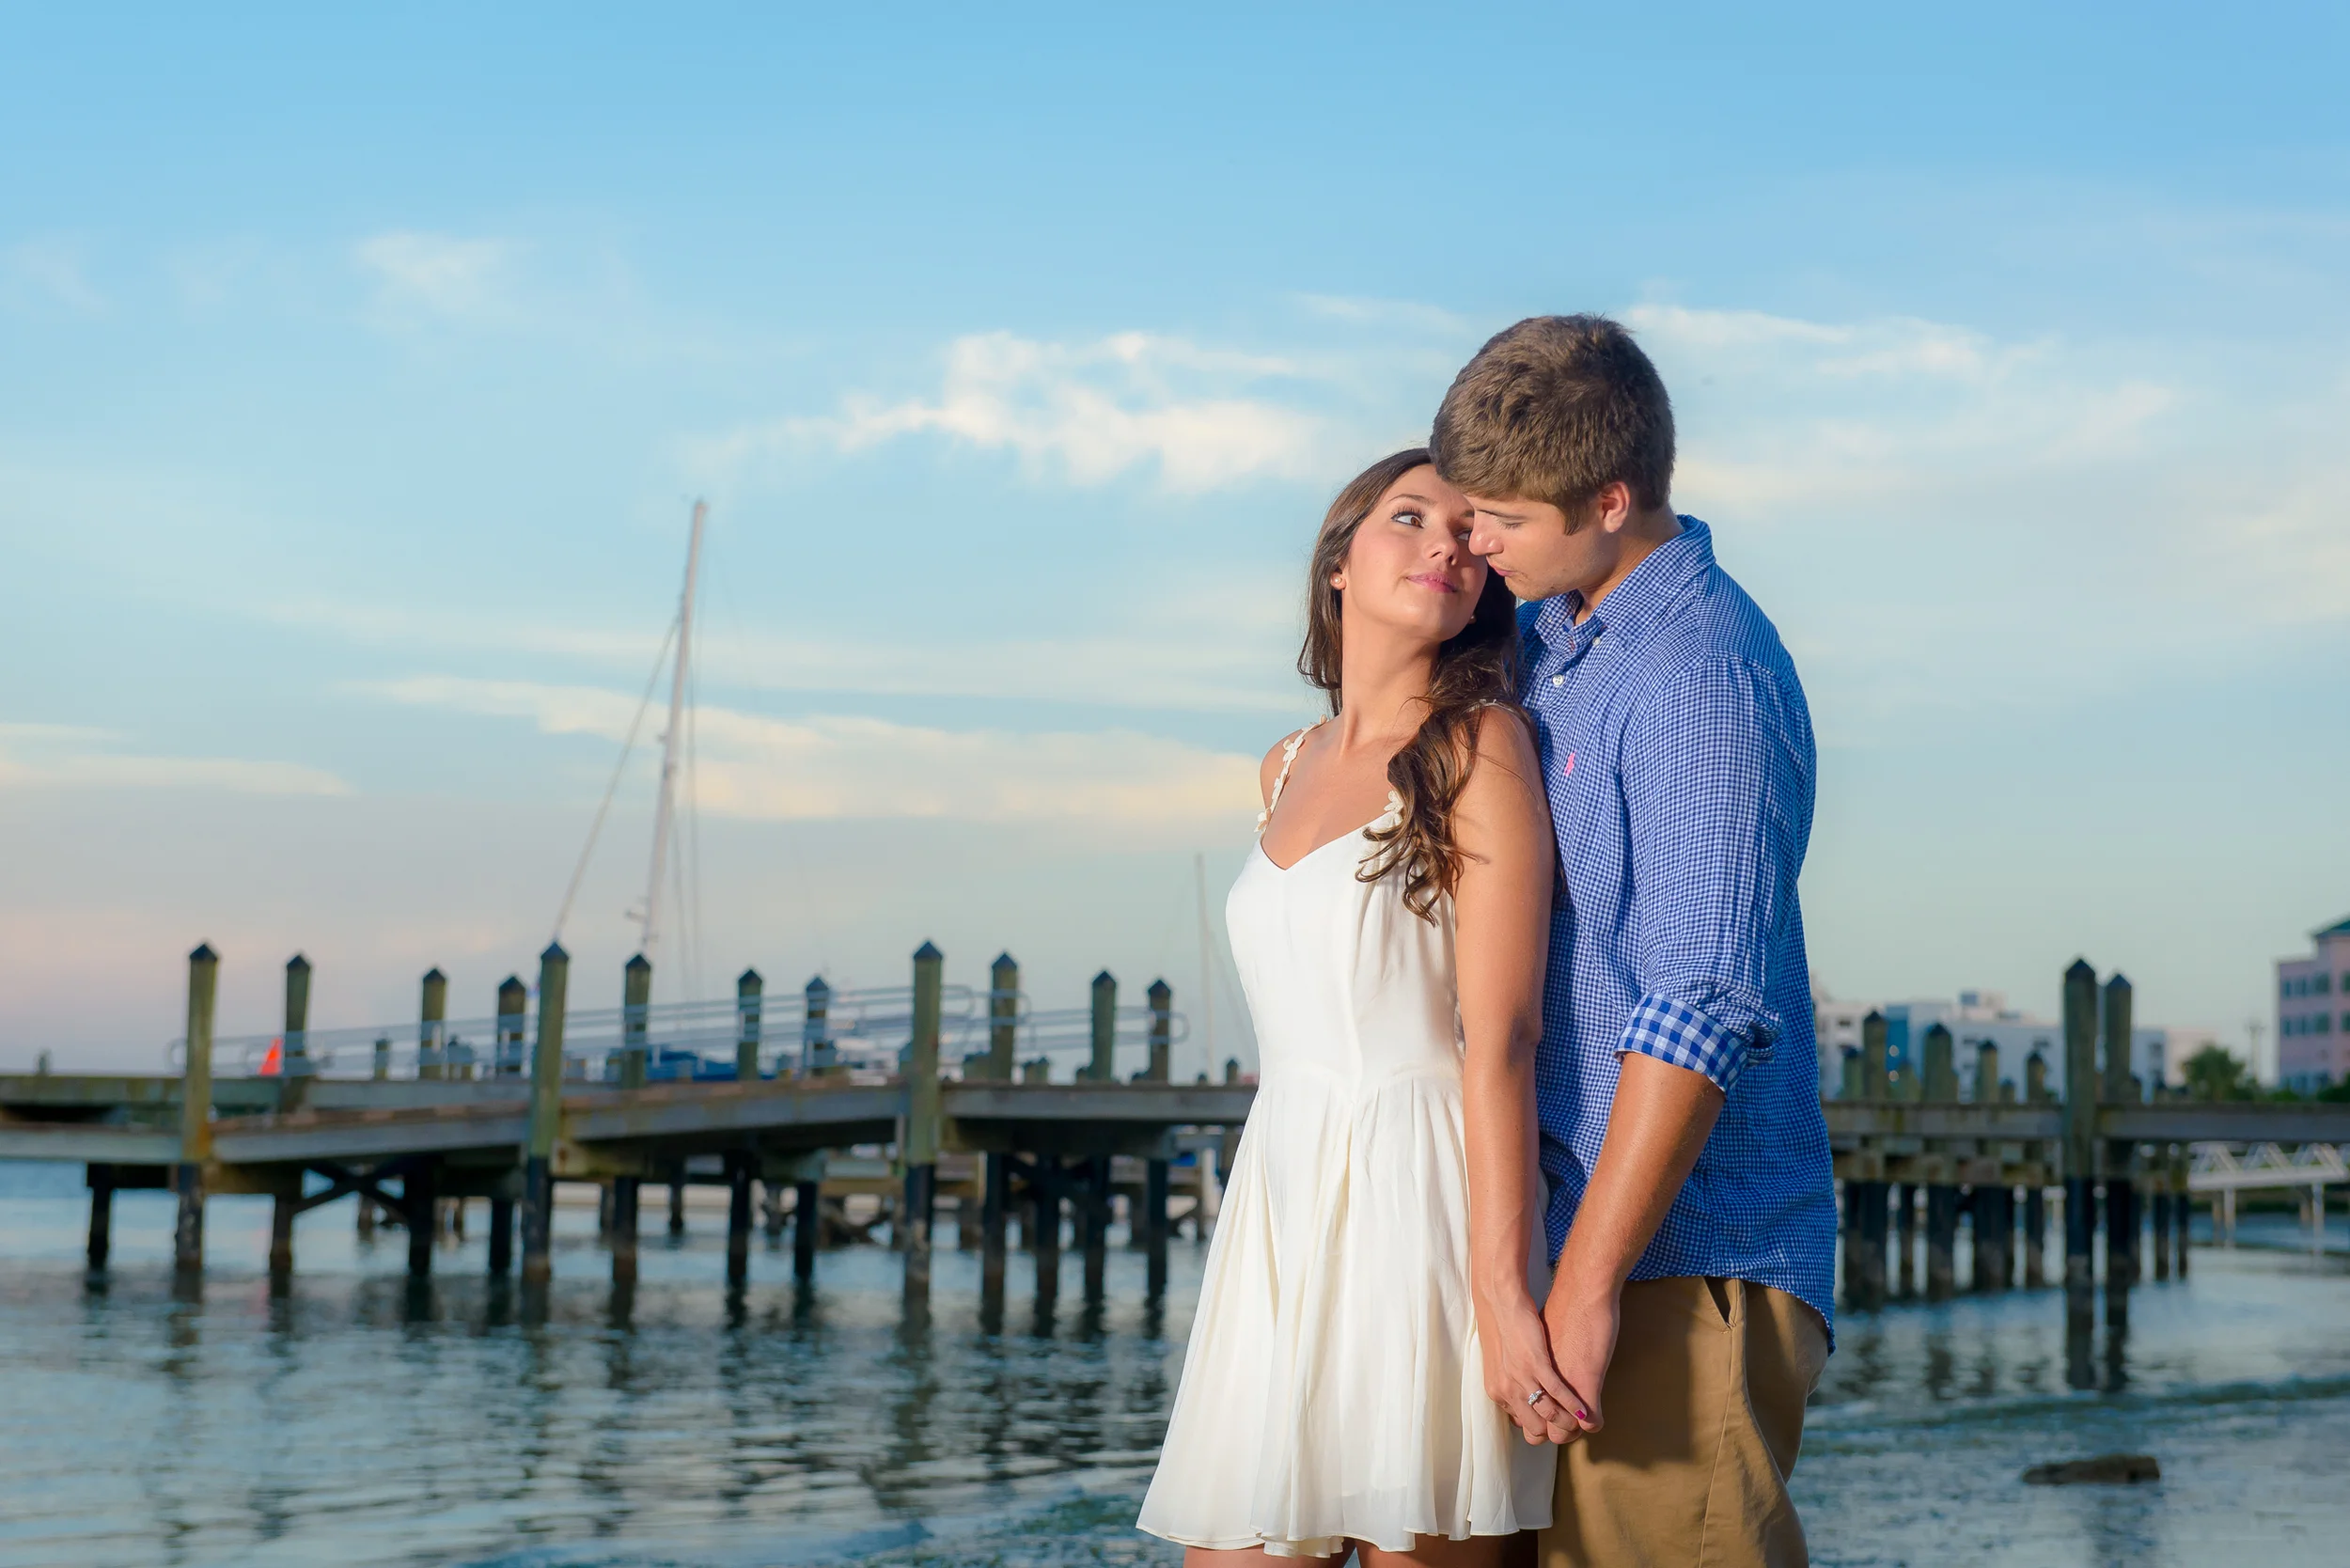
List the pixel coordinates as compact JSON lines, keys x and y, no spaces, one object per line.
{"x":51,"y":756}
{"x":1089,"y":411}
{"x":439,"y":273}
{"x":827,"y":767}
{"x":1231,"y":649}
{"x":51,"y":270}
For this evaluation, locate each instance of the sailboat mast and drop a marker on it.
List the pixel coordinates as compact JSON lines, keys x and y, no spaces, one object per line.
{"x":666,"y":810}
{"x":1207,"y":963}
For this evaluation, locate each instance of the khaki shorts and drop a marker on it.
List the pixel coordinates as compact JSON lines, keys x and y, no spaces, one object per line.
{"x":1704,"y":1410}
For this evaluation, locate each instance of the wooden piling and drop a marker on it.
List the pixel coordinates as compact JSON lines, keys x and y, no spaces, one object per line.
{"x":635,"y":1005}
{"x":1874,"y":1084}
{"x":2035,"y":1237}
{"x":1905,"y":1238}
{"x":919,"y":1153}
{"x":1939,"y":1080}
{"x":738,"y":1216}
{"x":2181,"y":1210}
{"x":677,"y":1207}
{"x":102,"y":1215}
{"x":285,"y":1204}
{"x":1045,"y":1183}
{"x":2080,"y":1124}
{"x":418,"y":1214}
{"x":995,"y":1200}
{"x":626,"y":1194}
{"x":1149,"y":1224}
{"x":1003,"y":1015}
{"x":2158,"y":1202}
{"x":546,"y":1116}
{"x":196,"y":1110}
{"x":514,"y":1002}
{"x":432,"y":1025}
{"x":1870,"y":1230}
{"x":749,"y":1002}
{"x":1094,"y":1226}
{"x":1103,"y":1067}
{"x":1987,"y":1084}
{"x":501,"y":1236}
{"x":294,"y":1066}
{"x":1941,"y":1241}
{"x":1989,"y":1205}
{"x":2120,"y":1154}
{"x":807,"y":1229}
{"x":816,"y":1028}
{"x":1848,"y":1085}
{"x":1154,"y":1183}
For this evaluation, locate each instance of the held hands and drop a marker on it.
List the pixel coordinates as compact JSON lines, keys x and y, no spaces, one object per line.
{"x":1516,"y":1346}
{"x":1580,"y":1328}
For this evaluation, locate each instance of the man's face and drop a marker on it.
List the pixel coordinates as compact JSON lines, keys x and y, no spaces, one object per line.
{"x":1536,"y":552}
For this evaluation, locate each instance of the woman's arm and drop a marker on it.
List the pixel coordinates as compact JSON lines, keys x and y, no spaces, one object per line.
{"x":1501,"y":911}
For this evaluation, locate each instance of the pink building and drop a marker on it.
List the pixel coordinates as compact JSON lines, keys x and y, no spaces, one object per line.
{"x":2314,"y":1013}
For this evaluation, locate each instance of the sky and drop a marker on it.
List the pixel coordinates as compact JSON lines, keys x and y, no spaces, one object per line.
{"x":357,"y":375}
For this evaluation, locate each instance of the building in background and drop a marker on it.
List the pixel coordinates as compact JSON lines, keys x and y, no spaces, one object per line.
{"x":2313,"y":1012}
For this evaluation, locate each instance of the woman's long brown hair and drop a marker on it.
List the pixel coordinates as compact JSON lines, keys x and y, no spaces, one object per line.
{"x":1478,"y":669}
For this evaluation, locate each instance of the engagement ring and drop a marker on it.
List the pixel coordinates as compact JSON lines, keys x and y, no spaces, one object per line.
{"x":1534,"y":1397}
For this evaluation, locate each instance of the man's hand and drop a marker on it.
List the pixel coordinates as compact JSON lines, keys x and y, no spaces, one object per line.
{"x":1582,"y":1326}
{"x":1517,"y":1347}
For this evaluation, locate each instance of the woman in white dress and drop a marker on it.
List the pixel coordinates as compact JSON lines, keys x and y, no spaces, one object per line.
{"x":1367,"y":1333}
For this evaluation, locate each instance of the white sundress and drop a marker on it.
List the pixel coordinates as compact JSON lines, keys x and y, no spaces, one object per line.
{"x":1333,"y":1389}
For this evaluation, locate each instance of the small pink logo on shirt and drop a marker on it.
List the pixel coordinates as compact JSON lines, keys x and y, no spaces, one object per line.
{"x":1569,"y":771}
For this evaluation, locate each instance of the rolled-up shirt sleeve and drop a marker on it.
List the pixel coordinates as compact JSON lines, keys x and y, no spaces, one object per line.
{"x":1715,"y":772}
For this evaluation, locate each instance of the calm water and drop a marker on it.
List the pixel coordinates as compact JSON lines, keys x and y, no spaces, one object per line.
{"x":355,"y":1421}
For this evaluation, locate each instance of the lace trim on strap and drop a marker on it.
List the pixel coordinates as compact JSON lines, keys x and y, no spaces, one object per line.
{"x":1289,"y":755}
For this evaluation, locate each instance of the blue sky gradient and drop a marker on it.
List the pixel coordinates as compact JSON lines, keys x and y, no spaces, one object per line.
{"x":359,"y":375}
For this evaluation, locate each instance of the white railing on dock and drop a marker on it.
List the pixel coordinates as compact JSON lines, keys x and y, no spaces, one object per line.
{"x":863,"y":1030}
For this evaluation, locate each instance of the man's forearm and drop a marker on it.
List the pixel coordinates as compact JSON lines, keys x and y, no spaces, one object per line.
{"x":1657,"y":1128}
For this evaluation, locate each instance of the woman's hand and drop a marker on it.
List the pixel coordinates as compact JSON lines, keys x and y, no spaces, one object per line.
{"x":1516,"y":1351}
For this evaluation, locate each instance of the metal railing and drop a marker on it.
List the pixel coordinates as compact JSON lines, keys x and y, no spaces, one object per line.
{"x":863,"y":1031}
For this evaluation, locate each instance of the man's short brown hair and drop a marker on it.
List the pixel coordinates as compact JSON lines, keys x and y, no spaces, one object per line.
{"x":1554,"y":408}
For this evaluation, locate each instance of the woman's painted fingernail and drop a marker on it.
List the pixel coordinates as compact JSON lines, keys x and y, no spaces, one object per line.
{"x":1581,"y":1415}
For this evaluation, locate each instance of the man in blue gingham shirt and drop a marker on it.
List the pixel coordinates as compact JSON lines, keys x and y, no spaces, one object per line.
{"x":1691,"y":1212}
{"x":1677,"y":755}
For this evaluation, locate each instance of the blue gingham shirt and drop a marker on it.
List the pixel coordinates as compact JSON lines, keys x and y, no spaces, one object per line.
{"x":1678,"y":756}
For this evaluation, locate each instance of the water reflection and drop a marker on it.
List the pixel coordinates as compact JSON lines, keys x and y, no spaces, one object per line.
{"x":361,"y":1418}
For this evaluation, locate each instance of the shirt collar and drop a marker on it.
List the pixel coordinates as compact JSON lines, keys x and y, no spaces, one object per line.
{"x":1637,"y":603}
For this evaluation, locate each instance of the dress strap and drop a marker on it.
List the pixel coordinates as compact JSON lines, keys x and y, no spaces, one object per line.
{"x":1289,"y":755}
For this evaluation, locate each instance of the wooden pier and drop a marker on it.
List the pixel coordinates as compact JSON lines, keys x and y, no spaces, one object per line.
{"x":402,"y":1145}
{"x":507,"y":1118}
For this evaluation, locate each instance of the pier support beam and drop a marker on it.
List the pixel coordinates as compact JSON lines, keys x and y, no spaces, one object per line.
{"x":676,"y":1208}
{"x":419,"y":1213}
{"x":501,"y":1236}
{"x":102,"y":1215}
{"x":2081,"y":1145}
{"x":283,"y":1206}
{"x":1154,"y":1221}
{"x":807,"y":1229}
{"x":196,"y":1111}
{"x":2035,"y":1237}
{"x":625,"y":1195}
{"x":995,"y":1185}
{"x":1990,"y":1207}
{"x":2120,"y":1156}
{"x":546,"y":1117}
{"x":923,"y":1122}
{"x":1044,"y":1229}
{"x":1905,"y":1238}
{"x":1096,"y":1228}
{"x":2180,"y":1207}
{"x":1941,"y":1241}
{"x":737,"y":1218}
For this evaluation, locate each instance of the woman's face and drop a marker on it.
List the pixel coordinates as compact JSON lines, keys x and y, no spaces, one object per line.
{"x":1409,"y":567}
